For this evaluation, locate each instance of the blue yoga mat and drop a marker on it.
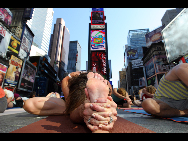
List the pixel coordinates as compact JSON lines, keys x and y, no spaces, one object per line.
{"x":176,"y":119}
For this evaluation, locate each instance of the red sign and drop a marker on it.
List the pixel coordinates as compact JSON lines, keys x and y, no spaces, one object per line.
{"x":98,"y":62}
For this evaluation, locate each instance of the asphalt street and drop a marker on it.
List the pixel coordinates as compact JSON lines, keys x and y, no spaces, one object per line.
{"x":11,"y":122}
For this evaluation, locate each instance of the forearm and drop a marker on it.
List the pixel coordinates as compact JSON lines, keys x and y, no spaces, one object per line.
{"x":76,"y":115}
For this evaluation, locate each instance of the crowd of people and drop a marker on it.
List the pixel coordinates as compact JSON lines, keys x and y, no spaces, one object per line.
{"x":90,"y":99}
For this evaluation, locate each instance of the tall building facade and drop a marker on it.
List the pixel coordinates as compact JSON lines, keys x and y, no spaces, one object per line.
{"x":41,"y":24}
{"x":59,"y":48}
{"x":74,"y":63}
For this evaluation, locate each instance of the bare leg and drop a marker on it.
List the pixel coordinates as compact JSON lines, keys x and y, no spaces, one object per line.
{"x":45,"y":106}
{"x":159,"y":108}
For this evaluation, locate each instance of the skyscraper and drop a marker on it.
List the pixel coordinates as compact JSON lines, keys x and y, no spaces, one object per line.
{"x":41,"y":24}
{"x":74,"y":63}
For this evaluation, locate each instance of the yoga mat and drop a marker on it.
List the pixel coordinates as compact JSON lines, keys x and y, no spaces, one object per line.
{"x":63,"y":124}
{"x":141,"y":111}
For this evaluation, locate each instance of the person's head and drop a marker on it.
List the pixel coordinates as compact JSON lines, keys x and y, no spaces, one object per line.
{"x":32,"y":94}
{"x":76,"y":97}
{"x":151,"y":89}
{"x":1,"y":78}
{"x":122,"y":91}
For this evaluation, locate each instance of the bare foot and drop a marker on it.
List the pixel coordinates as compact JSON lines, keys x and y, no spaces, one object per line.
{"x":96,"y":87}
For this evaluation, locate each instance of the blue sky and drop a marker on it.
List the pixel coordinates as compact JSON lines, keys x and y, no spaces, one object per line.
{"x":119,"y":22}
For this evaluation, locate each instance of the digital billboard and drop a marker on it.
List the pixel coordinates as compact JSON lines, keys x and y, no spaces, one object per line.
{"x":4,"y":41}
{"x":97,"y":9}
{"x":98,"y":62}
{"x":97,"y":18}
{"x":27,"y":78}
{"x":13,"y":72}
{"x":14,"y":45}
{"x":132,"y":54}
{"x":3,"y":70}
{"x":6,"y":15}
{"x":98,"y":40}
{"x":26,"y":42}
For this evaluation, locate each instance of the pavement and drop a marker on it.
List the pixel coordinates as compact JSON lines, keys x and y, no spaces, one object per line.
{"x":14,"y":120}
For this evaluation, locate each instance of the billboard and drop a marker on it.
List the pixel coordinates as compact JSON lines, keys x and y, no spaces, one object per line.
{"x":149,"y":67}
{"x":13,"y":72}
{"x":26,"y":42}
{"x":98,"y":62}
{"x":6,"y":15}
{"x":98,"y":40}
{"x":154,"y":36}
{"x":97,"y":18}
{"x":4,"y":41}
{"x":132,"y":54}
{"x":97,"y":9}
{"x":3,"y":70}
{"x":137,"y":63}
{"x":27,"y":77}
{"x":14,"y":45}
{"x":175,"y":36}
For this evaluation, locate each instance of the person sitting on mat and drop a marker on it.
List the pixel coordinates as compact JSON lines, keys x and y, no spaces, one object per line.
{"x":171,"y":96}
{"x":99,"y":115}
{"x":121,"y":98}
{"x":147,"y":92}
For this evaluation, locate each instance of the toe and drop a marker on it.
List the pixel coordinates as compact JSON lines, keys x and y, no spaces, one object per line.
{"x":90,"y":75}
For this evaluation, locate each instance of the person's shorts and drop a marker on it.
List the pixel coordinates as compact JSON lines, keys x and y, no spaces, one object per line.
{"x":177,"y":104}
{"x":3,"y":104}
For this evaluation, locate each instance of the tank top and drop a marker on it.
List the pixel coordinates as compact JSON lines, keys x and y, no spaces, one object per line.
{"x":176,"y":90}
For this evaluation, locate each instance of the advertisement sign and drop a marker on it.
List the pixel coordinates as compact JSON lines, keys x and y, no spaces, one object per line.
{"x":142,"y":82}
{"x":4,"y":41}
{"x":6,"y":15}
{"x":97,"y":18}
{"x":98,"y":62}
{"x":14,"y":45}
{"x":26,"y":42}
{"x":137,"y":63}
{"x":97,"y":9}
{"x":3,"y":70}
{"x":13,"y":72}
{"x":152,"y":81}
{"x":27,"y":15}
{"x":161,"y":63}
{"x":98,"y":40}
{"x":154,"y":36}
{"x":27,"y":78}
{"x":149,"y":67}
{"x":132,"y":54}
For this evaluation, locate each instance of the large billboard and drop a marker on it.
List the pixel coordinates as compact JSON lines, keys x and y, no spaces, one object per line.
{"x":26,"y":42}
{"x":98,"y":62}
{"x":6,"y":15}
{"x":149,"y":67}
{"x":13,"y":72}
{"x":132,"y":54}
{"x":97,"y":18}
{"x":14,"y":44}
{"x":27,"y":78}
{"x":3,"y":70}
{"x":4,"y":41}
{"x":97,"y":9}
{"x":154,"y":36}
{"x":98,"y":40}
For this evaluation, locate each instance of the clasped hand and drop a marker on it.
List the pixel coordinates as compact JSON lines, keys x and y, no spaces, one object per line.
{"x":99,"y":114}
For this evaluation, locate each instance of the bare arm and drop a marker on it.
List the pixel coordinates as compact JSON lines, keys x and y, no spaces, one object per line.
{"x":117,"y":94}
{"x":147,"y":93}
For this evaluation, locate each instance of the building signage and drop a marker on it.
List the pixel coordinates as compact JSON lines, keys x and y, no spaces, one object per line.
{"x":149,"y":67}
{"x":98,"y":62}
{"x":137,"y":63}
{"x":132,"y":54}
{"x":4,"y":41}
{"x":13,"y":72}
{"x":97,"y":18}
{"x":98,"y":40}
{"x":6,"y":15}
{"x":14,"y":45}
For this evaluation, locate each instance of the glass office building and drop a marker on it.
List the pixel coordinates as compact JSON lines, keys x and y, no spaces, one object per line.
{"x":74,"y":59}
{"x":41,"y":24}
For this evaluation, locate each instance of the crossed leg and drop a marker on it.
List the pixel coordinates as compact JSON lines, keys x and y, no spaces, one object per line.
{"x":159,"y":108}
